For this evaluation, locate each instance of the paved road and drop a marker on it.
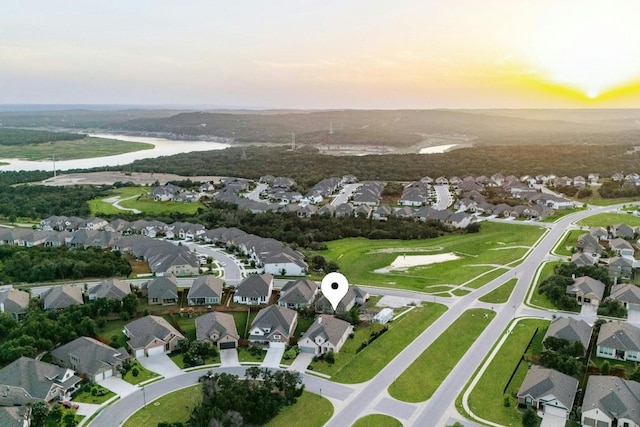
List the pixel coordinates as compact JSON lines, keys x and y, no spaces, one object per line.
{"x":255,"y":193}
{"x":444,"y":197}
{"x":344,"y":195}
{"x":232,"y":271}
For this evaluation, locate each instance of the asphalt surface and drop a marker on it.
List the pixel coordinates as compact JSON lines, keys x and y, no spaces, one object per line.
{"x":343,"y":196}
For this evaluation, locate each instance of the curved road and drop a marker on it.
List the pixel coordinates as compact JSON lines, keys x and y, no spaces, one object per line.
{"x":353,"y":401}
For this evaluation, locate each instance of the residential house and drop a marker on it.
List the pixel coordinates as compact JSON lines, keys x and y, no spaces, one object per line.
{"x":297,"y":294}
{"x":326,"y":333}
{"x":15,"y":416}
{"x":382,"y":213}
{"x":285,"y":263}
{"x":620,"y":267}
{"x":589,"y":244}
{"x":570,"y":329}
{"x":619,"y":340}
{"x":626,"y":293}
{"x":151,"y":335}
{"x":162,"y":290}
{"x":611,"y":402}
{"x":254,"y":289}
{"x":579,"y":181}
{"x":459,"y":220}
{"x":623,"y":231}
{"x":593,"y":178}
{"x":273,"y":324}
{"x":110,"y":289}
{"x":581,"y":259}
{"x":586,"y":290}
{"x":621,"y":247}
{"x":90,"y":358}
{"x":64,"y":296}
{"x":15,"y":302}
{"x":548,"y":391}
{"x":353,"y":296}
{"x":327,"y":210}
{"x":26,"y":381}
{"x":219,"y":328}
{"x":363,"y":211}
{"x":205,"y":290}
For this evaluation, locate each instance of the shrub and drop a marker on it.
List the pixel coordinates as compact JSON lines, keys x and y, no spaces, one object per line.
{"x":135,"y":372}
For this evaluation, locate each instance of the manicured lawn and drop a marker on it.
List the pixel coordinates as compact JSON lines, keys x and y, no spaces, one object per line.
{"x":173,"y":407}
{"x":569,"y":242}
{"x":560,"y":213}
{"x":85,"y":396}
{"x":609,"y":202}
{"x":111,"y":328}
{"x":487,"y":400}
{"x":146,"y":205}
{"x":501,"y":294}
{"x":541,"y":300}
{"x":353,"y":368}
{"x":77,"y":149}
{"x":177,"y":359}
{"x":51,"y":423}
{"x":187,"y":325}
{"x":494,"y":244}
{"x":377,"y":420}
{"x":310,"y":410}
{"x":418,"y":382}
{"x":245,"y":356}
{"x":240,"y":318}
{"x":604,"y":219}
{"x":143,"y":374}
{"x":303,"y":324}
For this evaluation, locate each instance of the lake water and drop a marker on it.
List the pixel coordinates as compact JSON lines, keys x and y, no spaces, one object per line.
{"x":162,"y":147}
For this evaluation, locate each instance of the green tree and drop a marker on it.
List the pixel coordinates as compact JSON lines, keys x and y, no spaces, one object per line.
{"x":530,"y":418}
{"x":605,"y":368}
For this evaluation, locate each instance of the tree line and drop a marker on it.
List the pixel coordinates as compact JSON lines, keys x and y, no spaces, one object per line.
{"x":10,"y":136}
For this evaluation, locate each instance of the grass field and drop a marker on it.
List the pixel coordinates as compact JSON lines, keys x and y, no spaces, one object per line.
{"x":602,"y":220}
{"x":310,"y":410}
{"x":418,"y":382}
{"x":568,"y":243}
{"x":173,"y":407}
{"x":541,"y":300}
{"x":77,"y":149}
{"x":147,"y":206}
{"x":351,"y":368}
{"x":501,"y":294}
{"x":143,"y":374}
{"x":377,"y":420}
{"x":85,"y":396}
{"x":486,"y":399}
{"x":495,"y":244}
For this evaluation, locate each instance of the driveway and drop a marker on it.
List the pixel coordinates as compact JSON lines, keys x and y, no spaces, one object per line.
{"x":118,"y":386}
{"x":589,"y":310}
{"x":274,"y":355}
{"x":87,"y":409}
{"x":229,"y":357}
{"x":301,"y":362}
{"x":633,"y":316}
{"x":161,"y":365}
{"x":550,"y":420}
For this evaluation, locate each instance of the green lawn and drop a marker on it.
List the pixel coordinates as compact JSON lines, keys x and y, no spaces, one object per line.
{"x":541,"y":300}
{"x":177,"y":359}
{"x":377,"y":420}
{"x":418,"y":382}
{"x":604,"y":219}
{"x":111,"y":328}
{"x":245,"y":356}
{"x":353,"y":368}
{"x":559,"y":213}
{"x":501,"y":294}
{"x":303,"y":324}
{"x":147,"y":206}
{"x":173,"y":407}
{"x":496,"y":243}
{"x":565,"y":248}
{"x":310,"y":410}
{"x":76,"y":149}
{"x":487,"y":400}
{"x":186,"y":323}
{"x":143,"y":374}
{"x":86,"y":396}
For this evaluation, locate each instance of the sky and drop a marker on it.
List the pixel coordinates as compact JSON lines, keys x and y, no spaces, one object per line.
{"x":312,"y":54}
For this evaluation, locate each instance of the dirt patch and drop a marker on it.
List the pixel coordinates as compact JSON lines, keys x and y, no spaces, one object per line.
{"x":109,"y":178}
{"x":406,"y":261}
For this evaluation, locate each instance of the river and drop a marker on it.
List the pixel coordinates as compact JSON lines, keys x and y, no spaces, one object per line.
{"x":162,"y":147}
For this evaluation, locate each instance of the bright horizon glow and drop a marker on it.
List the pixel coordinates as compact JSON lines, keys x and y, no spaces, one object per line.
{"x":316,"y":54}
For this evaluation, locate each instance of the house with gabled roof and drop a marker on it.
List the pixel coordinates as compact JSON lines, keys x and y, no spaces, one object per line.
{"x":586,"y":290}
{"x":219,"y":328}
{"x":287,"y":262}
{"x":15,"y":416}
{"x":623,"y":231}
{"x":354,"y":296}
{"x":326,"y":333}
{"x":110,"y":289}
{"x":619,"y":340}
{"x":273,"y":324}
{"x":205,"y":290}
{"x":611,"y":401}
{"x":382,"y":213}
{"x":587,"y":243}
{"x":628,"y":294}
{"x":162,"y":290}
{"x":570,"y":329}
{"x":64,"y":296}
{"x":621,"y":247}
{"x":620,"y":267}
{"x":151,"y":335}
{"x":90,"y":358}
{"x":297,"y":294}
{"x":254,"y":289}
{"x":15,"y":302}
{"x":548,"y":391}
{"x":581,"y":259}
{"x":26,"y":381}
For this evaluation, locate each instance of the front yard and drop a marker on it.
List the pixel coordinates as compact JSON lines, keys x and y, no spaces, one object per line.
{"x":142,"y":375}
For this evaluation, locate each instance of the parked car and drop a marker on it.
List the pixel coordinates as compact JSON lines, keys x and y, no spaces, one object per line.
{"x":71,"y":405}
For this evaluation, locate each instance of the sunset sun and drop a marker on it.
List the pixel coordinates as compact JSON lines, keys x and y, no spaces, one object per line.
{"x":589,"y":46}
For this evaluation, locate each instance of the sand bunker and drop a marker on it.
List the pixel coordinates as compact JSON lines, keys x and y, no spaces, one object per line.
{"x":405,"y":261}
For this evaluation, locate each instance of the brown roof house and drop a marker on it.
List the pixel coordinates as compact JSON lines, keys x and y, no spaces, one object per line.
{"x":273,"y":325}
{"x":327,"y":333}
{"x":14,"y":302}
{"x":549,"y":391}
{"x":586,"y":290}
{"x":219,"y":328}
{"x":151,"y":335}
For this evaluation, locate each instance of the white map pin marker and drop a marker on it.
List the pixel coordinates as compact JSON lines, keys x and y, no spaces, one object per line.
{"x":334,"y":287}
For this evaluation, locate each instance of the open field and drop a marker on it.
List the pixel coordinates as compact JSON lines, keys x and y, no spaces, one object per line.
{"x":501,"y":294}
{"x":492,"y":248}
{"x":173,"y":407}
{"x":420,"y":380}
{"x":148,"y":206}
{"x":377,"y":420}
{"x":354,"y":368}
{"x":568,"y":243}
{"x":541,"y":300}
{"x":310,"y":410}
{"x":76,"y":149}
{"x":602,"y":220}
{"x":487,"y":400}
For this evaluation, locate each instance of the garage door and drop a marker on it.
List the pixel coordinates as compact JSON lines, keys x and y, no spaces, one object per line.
{"x":554,"y":410}
{"x":155,"y":350}
{"x":107,"y":373}
{"x":227,"y":345}
{"x":310,"y":350}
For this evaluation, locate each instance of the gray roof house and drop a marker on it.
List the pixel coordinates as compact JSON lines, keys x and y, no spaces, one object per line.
{"x":627,"y":293}
{"x":254,"y":289}
{"x":298,"y":294}
{"x":610,"y":401}
{"x":548,"y":390}
{"x":273,"y":324}
{"x":205,"y":290}
{"x":623,"y":231}
{"x":27,"y":380}
{"x":62,"y":297}
{"x":570,"y":329}
{"x":162,"y":290}
{"x":586,"y":290}
{"x":90,"y":357}
{"x":622,"y":247}
{"x":151,"y":335}
{"x":14,"y":302}
{"x":15,"y":416}
{"x":219,"y":328}
{"x":327,"y":333}
{"x":353,"y":296}
{"x":110,"y":289}
{"x":619,"y":340}
{"x":620,"y":267}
